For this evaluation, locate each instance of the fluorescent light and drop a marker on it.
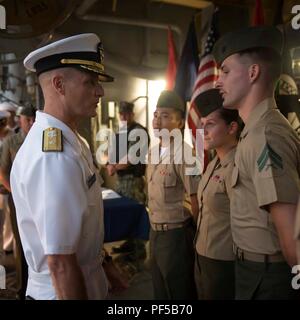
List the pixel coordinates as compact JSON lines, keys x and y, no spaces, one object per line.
{"x":111,"y":109}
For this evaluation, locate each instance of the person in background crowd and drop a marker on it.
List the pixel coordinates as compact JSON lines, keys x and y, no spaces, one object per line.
{"x":6,"y":236}
{"x":130,"y":177}
{"x":10,"y":147}
{"x":12,"y":122}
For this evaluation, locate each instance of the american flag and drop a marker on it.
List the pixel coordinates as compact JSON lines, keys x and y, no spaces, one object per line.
{"x":206,"y":77}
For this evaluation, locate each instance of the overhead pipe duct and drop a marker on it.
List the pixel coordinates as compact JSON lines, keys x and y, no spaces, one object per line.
{"x":132,"y":22}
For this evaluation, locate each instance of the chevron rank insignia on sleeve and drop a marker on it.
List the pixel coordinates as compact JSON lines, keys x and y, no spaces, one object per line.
{"x":52,"y":140}
{"x":269,"y":158}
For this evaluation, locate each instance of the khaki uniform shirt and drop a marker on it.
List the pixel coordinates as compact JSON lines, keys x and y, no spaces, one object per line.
{"x":10,"y":147}
{"x":267,"y":165}
{"x":167,"y":184}
{"x":213,"y":238}
{"x":297,"y":231}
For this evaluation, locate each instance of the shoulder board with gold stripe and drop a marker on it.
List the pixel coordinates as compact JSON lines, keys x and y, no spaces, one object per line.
{"x":52,"y":140}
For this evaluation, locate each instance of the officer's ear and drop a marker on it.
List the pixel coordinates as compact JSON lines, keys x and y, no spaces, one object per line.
{"x":254,"y":72}
{"x":58,"y":83}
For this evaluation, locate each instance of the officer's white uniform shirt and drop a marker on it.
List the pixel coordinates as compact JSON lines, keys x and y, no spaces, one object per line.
{"x":57,"y":211}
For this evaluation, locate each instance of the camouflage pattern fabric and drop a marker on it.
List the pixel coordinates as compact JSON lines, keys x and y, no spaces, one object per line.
{"x":132,"y":187}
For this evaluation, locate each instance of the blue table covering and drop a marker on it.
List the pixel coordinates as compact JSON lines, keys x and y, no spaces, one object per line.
{"x":124,"y":218}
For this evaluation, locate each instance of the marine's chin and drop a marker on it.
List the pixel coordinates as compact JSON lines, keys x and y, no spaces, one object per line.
{"x":227,"y":105}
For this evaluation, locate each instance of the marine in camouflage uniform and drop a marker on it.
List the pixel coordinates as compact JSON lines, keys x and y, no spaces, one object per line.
{"x":132,"y":187}
{"x":130,"y":177}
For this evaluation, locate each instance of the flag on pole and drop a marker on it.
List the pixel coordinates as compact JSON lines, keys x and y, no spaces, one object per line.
{"x":206,"y":77}
{"x":188,"y":64}
{"x":172,"y":62}
{"x":258,"y":17}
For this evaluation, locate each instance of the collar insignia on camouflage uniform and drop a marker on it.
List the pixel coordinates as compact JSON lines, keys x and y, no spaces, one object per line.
{"x":52,"y":140}
{"x":269,"y":154}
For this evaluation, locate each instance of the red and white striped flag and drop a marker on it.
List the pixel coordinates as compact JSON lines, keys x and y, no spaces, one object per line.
{"x":206,"y":78}
{"x":172,"y":62}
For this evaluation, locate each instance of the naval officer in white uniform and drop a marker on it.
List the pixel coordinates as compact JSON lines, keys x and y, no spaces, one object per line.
{"x":55,"y":185}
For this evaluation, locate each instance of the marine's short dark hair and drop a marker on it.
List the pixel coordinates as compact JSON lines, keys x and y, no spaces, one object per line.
{"x":229,"y":116}
{"x":268,"y":57}
{"x":180,"y":113}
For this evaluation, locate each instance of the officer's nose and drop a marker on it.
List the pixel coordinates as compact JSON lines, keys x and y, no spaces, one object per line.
{"x":99,"y":90}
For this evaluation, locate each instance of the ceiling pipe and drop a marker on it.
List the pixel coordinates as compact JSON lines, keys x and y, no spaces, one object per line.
{"x":132,"y":22}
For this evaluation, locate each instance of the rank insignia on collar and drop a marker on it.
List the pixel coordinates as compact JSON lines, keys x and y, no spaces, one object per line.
{"x":52,"y":140}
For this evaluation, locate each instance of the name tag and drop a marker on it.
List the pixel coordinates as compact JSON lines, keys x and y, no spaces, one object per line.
{"x":91,"y":180}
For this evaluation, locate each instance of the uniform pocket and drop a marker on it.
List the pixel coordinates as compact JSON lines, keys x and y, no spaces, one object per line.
{"x":172,"y":194}
{"x":170,"y":181}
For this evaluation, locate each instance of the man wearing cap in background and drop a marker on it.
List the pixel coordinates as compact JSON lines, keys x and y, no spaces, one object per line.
{"x":5,"y":227}
{"x":130,"y":177}
{"x":265,"y":178}
{"x":12,"y":124}
{"x":172,"y":229}
{"x":10,"y":147}
{"x":55,"y":185}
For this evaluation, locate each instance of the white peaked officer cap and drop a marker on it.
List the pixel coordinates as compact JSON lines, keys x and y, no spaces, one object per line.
{"x":7,"y":106}
{"x":83,"y":51}
{"x":4,"y":114}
